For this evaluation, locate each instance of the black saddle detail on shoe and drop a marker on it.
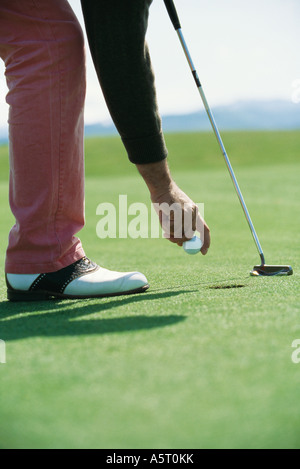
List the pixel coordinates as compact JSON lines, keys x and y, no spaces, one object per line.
{"x":57,"y":282}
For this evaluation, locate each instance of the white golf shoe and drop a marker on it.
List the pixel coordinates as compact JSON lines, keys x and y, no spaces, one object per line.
{"x":83,"y":279}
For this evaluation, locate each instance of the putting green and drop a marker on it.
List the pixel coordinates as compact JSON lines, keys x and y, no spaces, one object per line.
{"x":204,"y":358}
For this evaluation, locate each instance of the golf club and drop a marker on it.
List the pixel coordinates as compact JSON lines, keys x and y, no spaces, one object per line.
{"x":258,"y":270}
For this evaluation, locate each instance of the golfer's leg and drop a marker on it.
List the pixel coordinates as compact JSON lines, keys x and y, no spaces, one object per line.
{"x":42,"y":46}
{"x":116,"y":30}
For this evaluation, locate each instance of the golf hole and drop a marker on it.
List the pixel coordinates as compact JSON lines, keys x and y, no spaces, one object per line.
{"x":225,"y":287}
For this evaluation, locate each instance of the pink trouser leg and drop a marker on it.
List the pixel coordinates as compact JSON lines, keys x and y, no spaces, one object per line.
{"x":42,"y":46}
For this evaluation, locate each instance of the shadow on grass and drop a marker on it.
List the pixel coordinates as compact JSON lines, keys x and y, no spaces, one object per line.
{"x":58,"y":318}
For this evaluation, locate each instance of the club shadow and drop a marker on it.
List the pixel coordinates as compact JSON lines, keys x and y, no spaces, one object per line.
{"x":62,"y":319}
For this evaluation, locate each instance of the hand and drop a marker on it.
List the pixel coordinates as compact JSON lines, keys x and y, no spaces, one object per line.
{"x":178,"y":214}
{"x":179,"y":217}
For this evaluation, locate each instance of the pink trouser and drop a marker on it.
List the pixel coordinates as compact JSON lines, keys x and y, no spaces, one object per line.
{"x":42,"y":45}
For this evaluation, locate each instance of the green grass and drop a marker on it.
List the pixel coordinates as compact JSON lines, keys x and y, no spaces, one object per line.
{"x":191,"y":363}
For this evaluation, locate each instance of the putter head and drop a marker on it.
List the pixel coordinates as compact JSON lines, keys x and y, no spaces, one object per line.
{"x":271,"y":270}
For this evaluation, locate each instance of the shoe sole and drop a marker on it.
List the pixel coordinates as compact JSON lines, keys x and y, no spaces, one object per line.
{"x":18,"y":295}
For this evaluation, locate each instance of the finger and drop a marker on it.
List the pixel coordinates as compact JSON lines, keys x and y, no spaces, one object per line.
{"x":178,"y":241}
{"x":207,"y":240}
{"x":204,"y":231}
{"x":172,"y":239}
{"x":195,"y":216}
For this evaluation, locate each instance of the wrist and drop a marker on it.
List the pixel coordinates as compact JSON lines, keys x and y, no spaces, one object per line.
{"x":157,"y":177}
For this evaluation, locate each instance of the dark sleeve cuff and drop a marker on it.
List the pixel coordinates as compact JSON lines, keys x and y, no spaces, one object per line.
{"x":146,"y":150}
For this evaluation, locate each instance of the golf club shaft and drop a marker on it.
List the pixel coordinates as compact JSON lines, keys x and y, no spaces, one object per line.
{"x":176,"y":23}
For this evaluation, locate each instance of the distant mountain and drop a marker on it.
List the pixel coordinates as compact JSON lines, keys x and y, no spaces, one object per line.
{"x":244,"y":115}
{"x":247,"y":115}
{"x":3,"y":135}
{"x":254,"y":115}
{"x":95,"y":130}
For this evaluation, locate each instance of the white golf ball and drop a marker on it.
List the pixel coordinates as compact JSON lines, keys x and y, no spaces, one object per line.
{"x":193,"y":246}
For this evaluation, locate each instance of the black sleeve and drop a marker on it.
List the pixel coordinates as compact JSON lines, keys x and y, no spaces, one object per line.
{"x":116,"y":31}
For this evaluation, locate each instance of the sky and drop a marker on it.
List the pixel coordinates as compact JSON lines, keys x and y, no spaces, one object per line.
{"x":243,"y":50}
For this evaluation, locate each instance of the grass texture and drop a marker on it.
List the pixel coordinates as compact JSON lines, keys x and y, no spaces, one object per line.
{"x":203,"y":359}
